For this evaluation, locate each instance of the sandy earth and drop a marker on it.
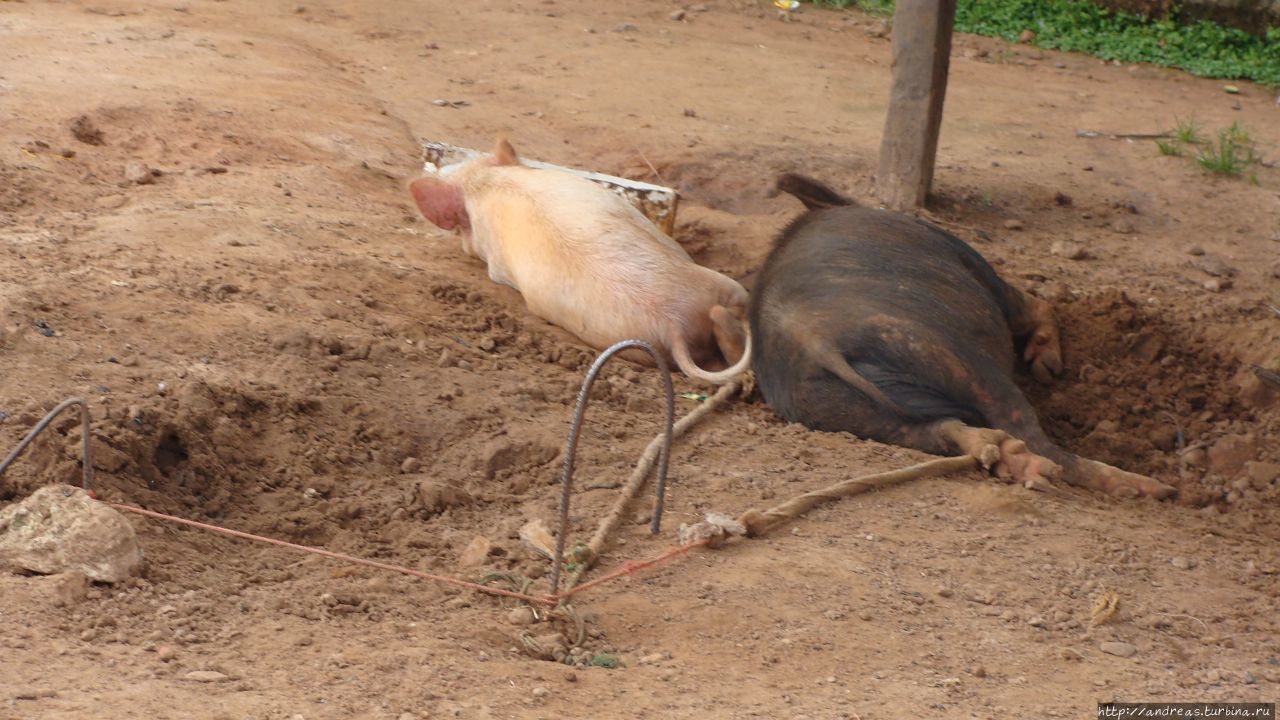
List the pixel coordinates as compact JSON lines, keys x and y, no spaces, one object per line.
{"x":222,"y":257}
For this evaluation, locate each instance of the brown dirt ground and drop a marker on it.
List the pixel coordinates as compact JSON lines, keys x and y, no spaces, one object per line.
{"x":312,"y":334}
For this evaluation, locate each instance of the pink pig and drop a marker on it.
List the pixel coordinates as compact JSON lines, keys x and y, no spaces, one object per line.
{"x":586,"y":260}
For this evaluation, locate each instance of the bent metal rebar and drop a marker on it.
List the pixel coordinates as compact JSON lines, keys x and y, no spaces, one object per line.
{"x":566,"y":479}
{"x":86,"y":459}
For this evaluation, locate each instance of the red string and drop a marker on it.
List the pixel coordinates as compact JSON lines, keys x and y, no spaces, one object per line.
{"x":627,"y":568}
{"x":545,"y":600}
{"x":633,"y":566}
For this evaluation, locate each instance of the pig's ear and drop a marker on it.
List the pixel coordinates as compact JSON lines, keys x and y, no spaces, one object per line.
{"x":504,"y":154}
{"x":439,"y":202}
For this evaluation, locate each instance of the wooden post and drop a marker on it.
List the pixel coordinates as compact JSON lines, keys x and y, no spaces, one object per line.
{"x":921,"y":56}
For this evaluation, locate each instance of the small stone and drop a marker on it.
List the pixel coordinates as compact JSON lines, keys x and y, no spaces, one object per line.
{"x":1013,"y":224}
{"x":487,"y":343}
{"x":627,"y":28}
{"x":1069,"y":249}
{"x":677,"y":16}
{"x":1119,"y":649}
{"x":1072,"y":654}
{"x":979,"y":671}
{"x":1195,"y":250}
{"x":1215,"y":266}
{"x":476,"y":553}
{"x":570,"y":676}
{"x":652,"y":658}
{"x":1124,"y":227}
{"x":521,"y":616}
{"x":1217,"y":285}
{"x":541,"y":692}
{"x":410,"y":465}
{"x":1182,"y":563}
{"x":166,"y":653}
{"x":206,"y":676}
{"x":447,"y":359}
{"x":1061,"y":198}
{"x":1036,"y":621}
{"x":138,"y":173}
{"x":1249,"y":678}
{"x":945,"y":592}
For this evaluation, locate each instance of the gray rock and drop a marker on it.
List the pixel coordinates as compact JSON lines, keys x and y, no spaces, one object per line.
{"x":59,"y":529}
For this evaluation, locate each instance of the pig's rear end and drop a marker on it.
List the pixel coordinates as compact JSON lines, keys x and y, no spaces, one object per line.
{"x":884,"y":326}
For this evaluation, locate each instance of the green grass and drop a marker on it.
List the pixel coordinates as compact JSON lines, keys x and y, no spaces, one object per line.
{"x":1231,"y":153}
{"x":871,"y":7}
{"x":1169,"y":147}
{"x":1203,"y":48}
{"x":1187,"y":132}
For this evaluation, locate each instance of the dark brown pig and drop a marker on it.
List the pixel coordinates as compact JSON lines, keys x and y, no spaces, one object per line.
{"x":890,"y":328}
{"x":586,"y":260}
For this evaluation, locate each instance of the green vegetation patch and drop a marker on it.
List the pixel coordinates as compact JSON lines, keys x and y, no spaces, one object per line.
{"x":1203,"y":48}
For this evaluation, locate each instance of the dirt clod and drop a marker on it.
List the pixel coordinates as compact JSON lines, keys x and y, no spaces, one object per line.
{"x":84,"y":130}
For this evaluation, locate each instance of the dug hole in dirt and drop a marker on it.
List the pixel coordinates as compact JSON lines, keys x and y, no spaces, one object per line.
{"x":206,"y":233}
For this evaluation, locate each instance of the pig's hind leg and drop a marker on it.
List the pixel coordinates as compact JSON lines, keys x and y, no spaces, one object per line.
{"x":1006,"y":456}
{"x":921,"y":418}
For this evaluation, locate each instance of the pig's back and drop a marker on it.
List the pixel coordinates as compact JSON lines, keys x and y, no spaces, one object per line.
{"x":587,"y":260}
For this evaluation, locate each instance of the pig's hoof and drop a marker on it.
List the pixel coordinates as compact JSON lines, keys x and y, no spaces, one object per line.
{"x":1017,"y":464}
{"x":1044,"y":354}
{"x":982,"y":444}
{"x":1117,"y":482}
